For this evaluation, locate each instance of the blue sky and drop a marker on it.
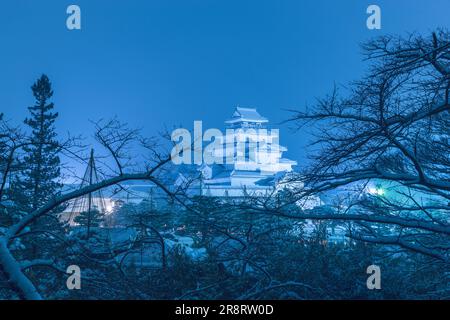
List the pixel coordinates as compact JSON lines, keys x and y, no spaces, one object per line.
{"x":170,"y":62}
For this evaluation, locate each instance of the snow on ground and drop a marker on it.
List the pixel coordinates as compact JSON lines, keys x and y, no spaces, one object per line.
{"x":186,"y":244}
{"x":150,"y":255}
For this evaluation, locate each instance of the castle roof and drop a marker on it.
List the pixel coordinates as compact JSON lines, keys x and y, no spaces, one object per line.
{"x":246,"y":115}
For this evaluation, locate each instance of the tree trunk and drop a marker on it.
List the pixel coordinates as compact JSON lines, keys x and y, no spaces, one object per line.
{"x":16,"y":278}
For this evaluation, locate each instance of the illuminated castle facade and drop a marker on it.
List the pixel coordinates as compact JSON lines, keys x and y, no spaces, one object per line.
{"x":251,"y":159}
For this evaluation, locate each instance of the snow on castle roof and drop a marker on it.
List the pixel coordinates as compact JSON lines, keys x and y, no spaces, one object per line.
{"x":246,"y":115}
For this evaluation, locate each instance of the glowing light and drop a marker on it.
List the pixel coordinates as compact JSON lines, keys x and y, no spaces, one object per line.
{"x":375,"y":191}
{"x":110,"y":207}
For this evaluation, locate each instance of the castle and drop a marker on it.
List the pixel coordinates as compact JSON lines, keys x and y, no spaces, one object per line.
{"x":256,"y":159}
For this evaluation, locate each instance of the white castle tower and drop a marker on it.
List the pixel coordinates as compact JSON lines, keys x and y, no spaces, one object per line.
{"x":251,"y":155}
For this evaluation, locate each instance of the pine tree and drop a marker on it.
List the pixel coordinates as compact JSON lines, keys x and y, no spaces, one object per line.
{"x":92,"y":219}
{"x":38,"y":181}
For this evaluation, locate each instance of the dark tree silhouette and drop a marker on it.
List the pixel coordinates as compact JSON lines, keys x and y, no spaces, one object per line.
{"x":38,"y":183}
{"x":392,"y":127}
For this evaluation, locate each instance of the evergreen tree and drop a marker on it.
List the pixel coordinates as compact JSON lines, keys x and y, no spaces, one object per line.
{"x":93,"y":218}
{"x":38,"y":181}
